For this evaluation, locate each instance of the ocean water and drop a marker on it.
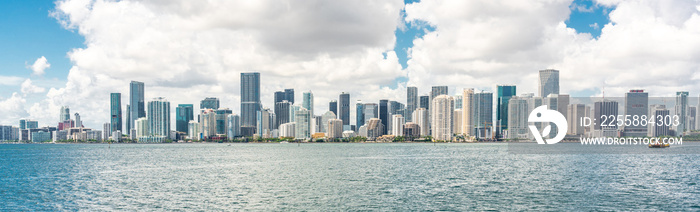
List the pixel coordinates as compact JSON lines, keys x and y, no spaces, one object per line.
{"x":341,"y":177}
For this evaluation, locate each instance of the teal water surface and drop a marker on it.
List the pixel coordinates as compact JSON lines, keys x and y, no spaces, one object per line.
{"x":340,"y":177}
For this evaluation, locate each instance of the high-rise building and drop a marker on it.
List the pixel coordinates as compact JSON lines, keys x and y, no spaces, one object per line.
{"x":115,"y":100}
{"x":483,"y":114}
{"x":467,"y":112}
{"x":344,"y":108}
{"x":442,"y":117}
{"x":457,"y":120}
{"x":424,"y":102}
{"x":411,"y":102}
{"x":659,"y":129}
{"x":282,"y":113}
{"x":78,"y":122}
{"x":210,"y":103}
{"x":335,"y":128}
{"x":371,"y":110}
{"x":207,"y":123}
{"x":308,"y":102}
{"x":505,"y":92}
{"x":221,"y":115}
{"x":302,"y":118}
{"x":184,"y":113}
{"x":398,"y":121}
{"x":384,"y":114}
{"x":682,"y":112}
{"x":437,"y":91}
{"x":359,"y":114}
{"x":411,"y":130}
{"x":159,"y":117}
{"x":606,"y":108}
{"x":128,"y":123}
{"x":692,"y":116}
{"x":563,"y":103}
{"x":575,"y":113}
{"x":421,"y":119}
{"x":287,"y":94}
{"x":458,"y":102}
{"x":136,"y":101}
{"x":636,"y":105}
{"x":374,"y":129}
{"x":193,"y":130}
{"x":333,"y":107}
{"x":65,"y":113}
{"x":288,"y":130}
{"x":250,"y":98}
{"x":265,"y":123}
{"x":233,"y":126}
{"x":549,"y":82}
{"x":141,"y":127}
{"x":517,"y":118}
{"x":106,"y":130}
{"x":324,"y":120}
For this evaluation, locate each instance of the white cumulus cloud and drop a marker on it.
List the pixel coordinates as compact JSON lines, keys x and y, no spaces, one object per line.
{"x":39,"y":66}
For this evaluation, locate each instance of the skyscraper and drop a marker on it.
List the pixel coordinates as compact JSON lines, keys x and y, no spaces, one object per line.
{"x":287,"y":94}
{"x":302,"y":118}
{"x":209,"y":102}
{"x":335,"y":128}
{"x":282,"y":112}
{"x":636,"y":105}
{"x":344,"y":108}
{"x":250,"y":98}
{"x":207,"y":123}
{"x":421,"y":119}
{"x":425,"y":102}
{"x":398,"y":121}
{"x":437,"y":91}
{"x":549,"y":82}
{"x":384,"y":114}
{"x":136,"y":101}
{"x":605,"y":108}
{"x":265,"y":123}
{"x":468,"y":112}
{"x":115,"y":112}
{"x":411,"y":102}
{"x":65,"y":113}
{"x":159,"y":117}
{"x":221,"y":115}
{"x":505,"y":92}
{"x":517,"y":118}
{"x":184,"y":113}
{"x":371,"y":110}
{"x":682,"y":112}
{"x":575,"y":113}
{"x":234,"y":126}
{"x":308,"y":102}
{"x":442,"y":109}
{"x":333,"y":107}
{"x":128,"y":120}
{"x":359,"y":114}
{"x":78,"y":122}
{"x":483,"y":114}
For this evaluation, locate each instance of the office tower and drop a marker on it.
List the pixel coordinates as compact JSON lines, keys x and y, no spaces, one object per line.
{"x":457,"y":120}
{"x":65,"y":113}
{"x":210,"y":103}
{"x":606,"y":108}
{"x":563,"y":103}
{"x":681,"y":112}
{"x":467,"y":112}
{"x":193,"y":130}
{"x":517,"y":118}
{"x":549,"y":82}
{"x":159,"y":117}
{"x":425,"y":102}
{"x":636,"y":105}
{"x":421,"y":119}
{"x":184,"y":113}
{"x":265,"y":120}
{"x":302,"y":118}
{"x":233,"y":126}
{"x":6,"y":133}
{"x":141,"y":127}
{"x":458,"y":102}
{"x":483,"y":114}
{"x":442,"y":112}
{"x":659,"y":128}
{"x":692,"y":116}
{"x":575,"y":113}
{"x":398,"y":121}
{"x":384,"y":114}
{"x":333,"y":107}
{"x":221,"y":115}
{"x":344,"y":108}
{"x":136,"y":101}
{"x":287,"y":94}
{"x":324,"y":120}
{"x":437,"y":91}
{"x":115,"y":100}
{"x":308,"y":102}
{"x":411,"y":102}
{"x":207,"y":123}
{"x":78,"y":122}
{"x":106,"y":130}
{"x":394,"y":109}
{"x":374,"y":128}
{"x":371,"y":110}
{"x":22,"y":124}
{"x":335,"y":128}
{"x":282,"y":113}
{"x":505,"y":92}
{"x":250,"y":98}
{"x":128,"y":123}
{"x":316,"y":124}
{"x":552,"y":102}
{"x":359,"y":114}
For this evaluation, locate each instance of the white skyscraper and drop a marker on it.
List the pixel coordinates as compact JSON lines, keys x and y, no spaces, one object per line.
{"x":141,"y":126}
{"x":159,"y":117}
{"x":442,"y":109}
{"x":303,"y":123}
{"x":207,"y":123}
{"x":518,"y":112}
{"x":193,"y":130}
{"x":397,"y":121}
{"x":467,"y":112}
{"x":234,"y":126}
{"x":420,"y":117}
{"x":457,"y":120}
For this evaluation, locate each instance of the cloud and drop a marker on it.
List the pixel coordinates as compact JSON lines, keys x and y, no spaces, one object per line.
{"x":594,"y":26}
{"x":12,"y":109}
{"x":29,"y":88}
{"x":39,"y":66}
{"x":10,"y":80}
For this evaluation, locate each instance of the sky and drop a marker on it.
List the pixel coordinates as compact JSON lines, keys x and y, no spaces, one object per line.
{"x":76,"y":52}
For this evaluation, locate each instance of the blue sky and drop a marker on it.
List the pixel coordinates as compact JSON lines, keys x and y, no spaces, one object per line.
{"x":29,"y":32}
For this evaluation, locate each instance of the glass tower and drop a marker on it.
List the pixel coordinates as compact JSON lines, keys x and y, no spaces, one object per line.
{"x":250,"y":98}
